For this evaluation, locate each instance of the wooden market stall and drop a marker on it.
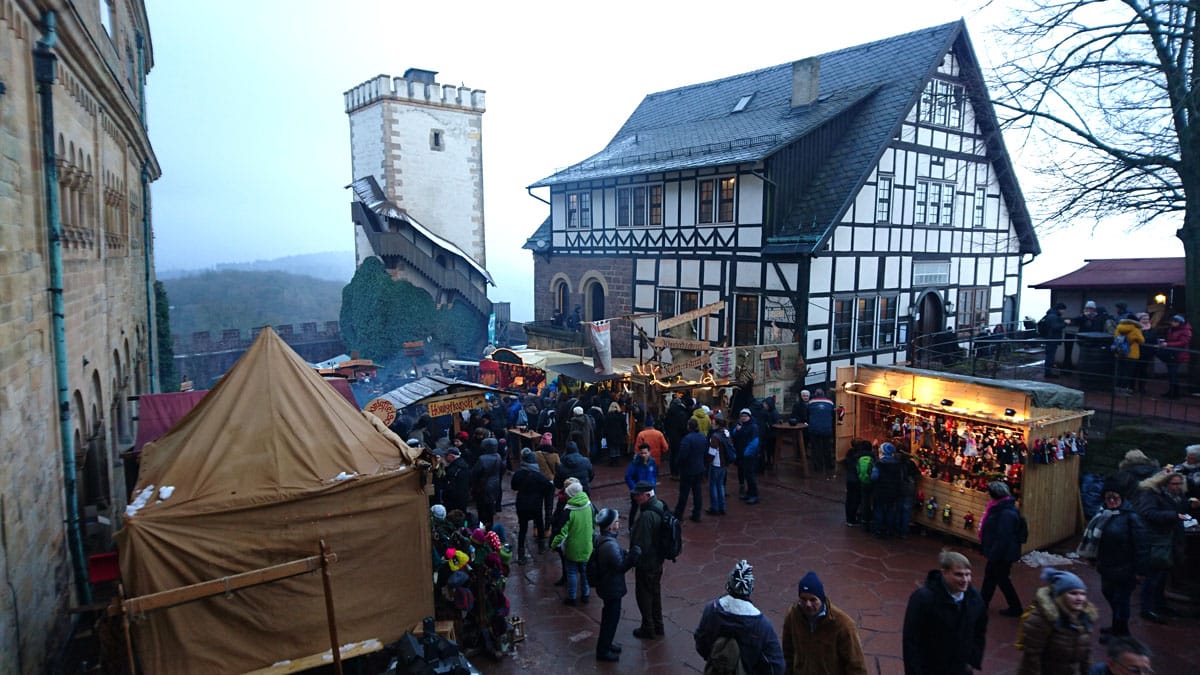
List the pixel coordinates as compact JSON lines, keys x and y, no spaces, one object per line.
{"x":966,"y":432}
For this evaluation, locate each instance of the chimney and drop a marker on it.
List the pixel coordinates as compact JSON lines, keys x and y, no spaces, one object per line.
{"x":806,"y":81}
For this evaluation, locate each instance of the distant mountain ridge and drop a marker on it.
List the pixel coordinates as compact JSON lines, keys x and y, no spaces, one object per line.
{"x":217,"y":300}
{"x":330,"y":266}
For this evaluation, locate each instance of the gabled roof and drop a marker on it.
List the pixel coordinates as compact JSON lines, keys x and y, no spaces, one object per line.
{"x":868,"y":89}
{"x":540,"y":240}
{"x":1120,"y":273}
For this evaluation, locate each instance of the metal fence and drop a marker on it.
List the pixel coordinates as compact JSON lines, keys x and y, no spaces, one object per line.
{"x":1121,"y":391}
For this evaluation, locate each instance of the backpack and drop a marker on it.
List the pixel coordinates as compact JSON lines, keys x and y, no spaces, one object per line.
{"x":1022,"y":528}
{"x":751,"y":448}
{"x":1120,"y":345}
{"x":670,"y":536}
{"x":725,"y":657}
{"x":865,"y":467}
{"x":593,"y":568}
{"x":1043,"y":327}
{"x":730,"y":455}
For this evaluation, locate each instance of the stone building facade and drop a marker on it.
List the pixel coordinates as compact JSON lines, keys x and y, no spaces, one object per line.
{"x":104,"y":163}
{"x":600,"y":286}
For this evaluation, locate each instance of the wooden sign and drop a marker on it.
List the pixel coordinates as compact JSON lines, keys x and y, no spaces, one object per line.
{"x":768,"y":355}
{"x":681,"y":319}
{"x":414,"y":348}
{"x":678,"y":343}
{"x":383,"y":409}
{"x":680,"y":366}
{"x":456,"y":405}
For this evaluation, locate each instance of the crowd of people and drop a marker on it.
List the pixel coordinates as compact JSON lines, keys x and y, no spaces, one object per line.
{"x":1137,"y":343}
{"x":1135,"y":538}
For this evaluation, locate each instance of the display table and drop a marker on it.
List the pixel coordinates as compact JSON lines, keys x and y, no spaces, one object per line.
{"x":789,"y":442}
{"x":520,"y":438}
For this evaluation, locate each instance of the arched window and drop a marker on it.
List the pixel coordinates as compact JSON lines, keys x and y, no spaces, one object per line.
{"x":595,"y":301}
{"x":562,"y":297}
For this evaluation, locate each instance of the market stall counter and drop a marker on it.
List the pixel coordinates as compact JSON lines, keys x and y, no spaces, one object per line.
{"x":789,"y":442}
{"x":966,"y":432}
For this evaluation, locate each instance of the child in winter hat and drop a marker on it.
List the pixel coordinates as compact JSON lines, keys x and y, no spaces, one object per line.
{"x":741,"y":581}
{"x":573,"y":489}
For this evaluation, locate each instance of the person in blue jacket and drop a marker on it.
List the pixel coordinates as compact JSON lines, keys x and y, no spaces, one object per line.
{"x":643,"y":468}
{"x":733,"y":616}
{"x":820,"y":431}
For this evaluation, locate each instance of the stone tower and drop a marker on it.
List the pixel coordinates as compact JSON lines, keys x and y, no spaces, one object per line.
{"x":423,"y":143}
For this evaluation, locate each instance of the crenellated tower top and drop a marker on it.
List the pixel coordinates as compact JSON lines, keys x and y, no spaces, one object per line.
{"x":416,"y":86}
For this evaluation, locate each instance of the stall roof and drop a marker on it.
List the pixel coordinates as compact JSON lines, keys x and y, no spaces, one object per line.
{"x":583,"y":372}
{"x":1121,"y":273}
{"x":428,"y":387}
{"x":1044,"y":394}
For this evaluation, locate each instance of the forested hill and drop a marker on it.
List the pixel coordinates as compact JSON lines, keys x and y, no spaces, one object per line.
{"x":216,"y":300}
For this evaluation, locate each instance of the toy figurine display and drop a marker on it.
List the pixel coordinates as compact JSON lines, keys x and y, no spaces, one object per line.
{"x":970,"y":453}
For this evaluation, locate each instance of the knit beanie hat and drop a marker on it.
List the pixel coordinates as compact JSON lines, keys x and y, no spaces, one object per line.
{"x":1060,"y":582}
{"x":573,"y":489}
{"x":438,"y":511}
{"x":577,"y":410}
{"x":547,"y":439}
{"x":527,"y":456}
{"x":887,"y":449}
{"x":605,"y":519}
{"x":457,"y":559}
{"x":810,"y":583}
{"x":741,"y":581}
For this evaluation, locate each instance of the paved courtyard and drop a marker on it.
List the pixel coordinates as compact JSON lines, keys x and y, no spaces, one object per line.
{"x":797,"y":527}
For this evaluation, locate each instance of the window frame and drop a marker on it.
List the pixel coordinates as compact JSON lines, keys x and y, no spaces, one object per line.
{"x":681,"y":301}
{"x":582,"y":205}
{"x":972,"y":303}
{"x":741,"y":323}
{"x":883,"y":197}
{"x":864,"y":323}
{"x":928,"y":278}
{"x":934,"y":204}
{"x":942,"y":104}
{"x":716,"y":200}
{"x":886,"y":322}
{"x":640,"y":205}
{"x":841,"y":319}
{"x":980,"y":210}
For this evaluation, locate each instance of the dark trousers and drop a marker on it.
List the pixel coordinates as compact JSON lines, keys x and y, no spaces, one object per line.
{"x":887,"y":516}
{"x":609,"y":617}
{"x":1051,"y":350}
{"x":524,"y":517}
{"x":996,"y":574}
{"x":822,"y":452}
{"x":548,"y":509}
{"x":648,"y":590}
{"x":1119,"y":594}
{"x":1153,"y":587}
{"x":853,"y":500}
{"x":673,"y":456}
{"x":748,"y":471}
{"x":689,"y":484}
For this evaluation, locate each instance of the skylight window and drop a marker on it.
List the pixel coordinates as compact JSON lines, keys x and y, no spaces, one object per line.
{"x":742,"y":103}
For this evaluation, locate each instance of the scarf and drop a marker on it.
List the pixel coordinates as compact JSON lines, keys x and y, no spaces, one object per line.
{"x":1089,"y":546}
{"x":988,"y":510}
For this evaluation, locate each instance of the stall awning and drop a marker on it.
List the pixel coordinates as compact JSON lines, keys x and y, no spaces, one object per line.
{"x":157,"y":413}
{"x":582,"y":372}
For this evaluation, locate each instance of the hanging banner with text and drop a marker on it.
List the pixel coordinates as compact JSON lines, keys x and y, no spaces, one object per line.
{"x":602,"y":342}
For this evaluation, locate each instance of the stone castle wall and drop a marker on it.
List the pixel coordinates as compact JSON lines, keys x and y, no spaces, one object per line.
{"x":203,"y":357}
{"x":615,"y":274}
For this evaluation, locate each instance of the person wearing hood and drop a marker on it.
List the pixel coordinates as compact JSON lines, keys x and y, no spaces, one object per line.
{"x":612,"y":562}
{"x":1134,"y":468}
{"x":1129,"y":332}
{"x":819,"y":638}
{"x":1162,"y":508}
{"x":576,"y":542}
{"x":1056,"y":634}
{"x":733,"y":616}
{"x":703,"y":421}
{"x":945,"y":623}
{"x":582,"y":429}
{"x":887,"y":479}
{"x":1113,"y":539}
{"x":485,"y":480}
{"x":574,"y":465}
{"x":532,"y":488}
{"x":1177,"y":342}
{"x":999,"y":536}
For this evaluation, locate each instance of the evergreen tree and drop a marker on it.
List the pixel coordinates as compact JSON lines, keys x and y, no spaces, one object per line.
{"x":168,"y":379}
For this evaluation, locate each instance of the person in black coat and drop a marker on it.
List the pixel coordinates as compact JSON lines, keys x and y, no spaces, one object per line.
{"x":485,"y":480}
{"x":574,"y":465}
{"x":612,"y":562}
{"x":693,"y":450}
{"x":744,"y":432}
{"x":456,"y":482}
{"x":531,"y":488}
{"x":887,"y":479}
{"x":999,"y":535}
{"x":1055,"y":324}
{"x":945,"y":623}
{"x":616,"y":430}
{"x":675,"y":427}
{"x":1162,"y":508}
{"x":1117,"y":556}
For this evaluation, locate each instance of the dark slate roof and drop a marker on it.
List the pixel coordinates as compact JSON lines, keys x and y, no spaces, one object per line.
{"x":1121,"y":273}
{"x":540,"y":235}
{"x":873,"y":85}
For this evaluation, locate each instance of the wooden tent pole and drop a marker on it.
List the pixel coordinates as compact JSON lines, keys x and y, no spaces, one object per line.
{"x":334,"y":647}
{"x":119,"y":604}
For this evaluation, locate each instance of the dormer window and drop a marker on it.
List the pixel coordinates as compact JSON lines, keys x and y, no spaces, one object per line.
{"x":742,"y":103}
{"x":942,"y":104}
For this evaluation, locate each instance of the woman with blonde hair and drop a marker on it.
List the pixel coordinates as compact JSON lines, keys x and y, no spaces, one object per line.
{"x":1056,"y":633}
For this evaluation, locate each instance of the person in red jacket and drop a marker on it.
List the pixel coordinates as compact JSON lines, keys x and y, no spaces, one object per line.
{"x":1178,"y":341}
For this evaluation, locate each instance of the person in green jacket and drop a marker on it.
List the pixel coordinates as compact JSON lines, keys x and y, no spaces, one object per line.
{"x":576,"y":540}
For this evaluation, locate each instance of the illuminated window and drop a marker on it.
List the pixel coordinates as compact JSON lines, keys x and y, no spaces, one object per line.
{"x":715,"y":197}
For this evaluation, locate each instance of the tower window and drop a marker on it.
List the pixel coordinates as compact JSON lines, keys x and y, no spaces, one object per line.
{"x":437,"y":139}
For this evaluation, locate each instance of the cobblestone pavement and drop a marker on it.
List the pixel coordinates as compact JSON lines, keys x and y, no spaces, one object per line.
{"x":798,"y":526}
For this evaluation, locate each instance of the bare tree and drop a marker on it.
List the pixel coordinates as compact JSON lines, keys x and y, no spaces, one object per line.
{"x":1112,"y":85}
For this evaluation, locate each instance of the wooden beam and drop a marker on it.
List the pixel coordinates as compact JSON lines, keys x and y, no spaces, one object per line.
{"x":207,"y":589}
{"x":680,"y":319}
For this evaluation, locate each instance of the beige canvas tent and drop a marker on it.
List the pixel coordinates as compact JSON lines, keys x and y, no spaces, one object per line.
{"x":270,"y":462}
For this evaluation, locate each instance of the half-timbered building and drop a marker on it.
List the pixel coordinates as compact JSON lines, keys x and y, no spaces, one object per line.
{"x":854,"y":202}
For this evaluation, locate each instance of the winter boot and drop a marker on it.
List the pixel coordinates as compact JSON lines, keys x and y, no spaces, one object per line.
{"x":541,"y":544}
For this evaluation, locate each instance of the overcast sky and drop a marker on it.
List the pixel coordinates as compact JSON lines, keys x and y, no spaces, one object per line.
{"x":247,"y":118}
